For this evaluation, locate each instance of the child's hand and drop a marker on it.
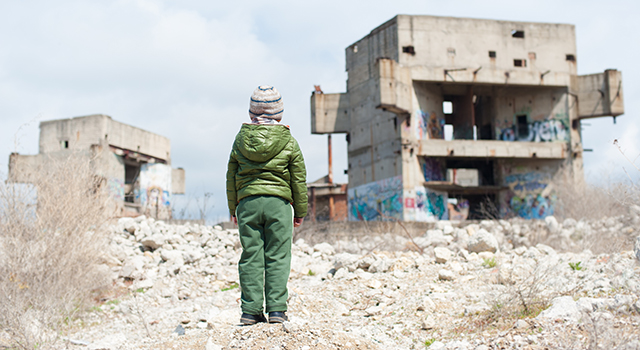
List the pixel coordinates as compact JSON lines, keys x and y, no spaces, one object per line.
{"x":235,"y":220}
{"x":297,"y":221}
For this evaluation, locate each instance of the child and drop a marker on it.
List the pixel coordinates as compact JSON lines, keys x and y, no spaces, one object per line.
{"x":265,"y":177}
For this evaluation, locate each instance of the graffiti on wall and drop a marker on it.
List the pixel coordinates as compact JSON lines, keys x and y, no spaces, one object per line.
{"x":433,"y":169}
{"x":431,"y":205}
{"x":423,"y":204}
{"x":429,"y":126}
{"x":154,"y":194}
{"x":537,"y":131}
{"x":367,"y":202}
{"x":116,"y":188}
{"x":529,"y":195}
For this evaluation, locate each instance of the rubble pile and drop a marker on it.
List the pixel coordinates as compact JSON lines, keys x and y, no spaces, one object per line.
{"x":485,"y":285}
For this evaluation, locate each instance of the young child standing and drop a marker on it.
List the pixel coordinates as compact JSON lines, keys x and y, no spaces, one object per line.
{"x":267,"y":194}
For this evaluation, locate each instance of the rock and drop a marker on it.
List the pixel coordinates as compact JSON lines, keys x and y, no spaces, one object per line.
{"x":179,"y":330}
{"x":552,"y":223}
{"x":346,"y":260}
{"x":562,"y":308}
{"x":383,"y":264}
{"x":482,"y":241}
{"x":427,"y":305}
{"x":476,"y":308}
{"x":636,"y":249}
{"x":210,"y":345}
{"x":522,"y":324}
{"x":110,"y":342}
{"x":437,"y":345}
{"x":437,"y":238}
{"x":374,"y":310}
{"x":154,"y":242}
{"x":132,"y":268}
{"x":442,"y":254}
{"x":324,"y":248}
{"x":445,"y":275}
{"x":429,"y":323}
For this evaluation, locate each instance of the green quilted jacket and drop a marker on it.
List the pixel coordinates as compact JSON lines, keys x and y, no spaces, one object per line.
{"x":266,"y":160}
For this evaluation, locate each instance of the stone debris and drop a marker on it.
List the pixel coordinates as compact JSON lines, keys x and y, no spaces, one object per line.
{"x":354,"y":294}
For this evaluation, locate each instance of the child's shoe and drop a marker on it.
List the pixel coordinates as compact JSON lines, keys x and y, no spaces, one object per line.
{"x":248,"y":319}
{"x":277,"y":317}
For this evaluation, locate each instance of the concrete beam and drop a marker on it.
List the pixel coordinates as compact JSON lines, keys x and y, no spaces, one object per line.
{"x":330,"y":113}
{"x":492,"y":149}
{"x":395,"y":86}
{"x":600,"y":95}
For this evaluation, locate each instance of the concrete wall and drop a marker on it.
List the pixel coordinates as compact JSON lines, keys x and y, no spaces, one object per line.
{"x":82,"y":132}
{"x":464,"y":43}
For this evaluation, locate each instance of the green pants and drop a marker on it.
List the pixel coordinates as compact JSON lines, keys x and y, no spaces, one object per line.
{"x":266,"y":226}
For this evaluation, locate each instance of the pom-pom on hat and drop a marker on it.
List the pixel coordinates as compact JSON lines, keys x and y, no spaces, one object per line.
{"x":266,"y":102}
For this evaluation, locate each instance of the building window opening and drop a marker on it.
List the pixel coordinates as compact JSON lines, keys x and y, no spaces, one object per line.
{"x":131,"y":172}
{"x":492,"y":54}
{"x":409,"y":49}
{"x":447,"y":107}
{"x":523,"y":126}
{"x":448,"y":132}
{"x":571,"y":58}
{"x":64,"y":144}
{"x":519,"y":63}
{"x":517,"y":34}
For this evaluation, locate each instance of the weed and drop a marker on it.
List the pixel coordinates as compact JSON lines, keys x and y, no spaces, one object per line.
{"x":311,"y":273}
{"x":576,"y":266}
{"x":231,"y":286}
{"x":489,"y":262}
{"x":139,"y":290}
{"x":428,"y":342}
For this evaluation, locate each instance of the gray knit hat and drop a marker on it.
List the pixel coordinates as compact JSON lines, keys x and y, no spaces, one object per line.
{"x":266,"y":102}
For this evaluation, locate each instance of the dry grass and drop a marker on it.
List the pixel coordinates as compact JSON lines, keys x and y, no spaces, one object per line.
{"x":580,"y":200}
{"x":51,"y":239}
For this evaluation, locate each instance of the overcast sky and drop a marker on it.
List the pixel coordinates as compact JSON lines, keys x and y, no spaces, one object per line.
{"x":185,"y":69}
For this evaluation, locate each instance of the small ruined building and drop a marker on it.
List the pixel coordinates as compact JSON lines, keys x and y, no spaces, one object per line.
{"x":135,"y":164}
{"x":443,"y":115}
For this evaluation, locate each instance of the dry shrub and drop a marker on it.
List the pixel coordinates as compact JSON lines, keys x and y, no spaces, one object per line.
{"x":580,"y":200}
{"x":51,"y":239}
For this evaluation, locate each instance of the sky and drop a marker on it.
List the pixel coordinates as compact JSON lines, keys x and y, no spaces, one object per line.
{"x":186,"y":69}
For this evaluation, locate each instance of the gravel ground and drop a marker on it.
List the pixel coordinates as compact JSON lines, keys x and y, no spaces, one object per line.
{"x":459,"y":286}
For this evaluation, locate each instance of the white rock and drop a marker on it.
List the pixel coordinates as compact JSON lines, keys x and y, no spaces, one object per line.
{"x":429,"y":323}
{"x":445,"y":275}
{"x":447,"y":229}
{"x":346,"y":260}
{"x":476,"y":308}
{"x":112,"y":341}
{"x":562,"y":308}
{"x":636,"y":249}
{"x":552,"y":223}
{"x":324,"y":248}
{"x":442,"y":254}
{"x":383,"y":264}
{"x":437,"y":345}
{"x":210,"y":345}
{"x":154,"y":242}
{"x":482,"y":241}
{"x":373,"y":283}
{"x":133,"y":267}
{"x":427,"y":305}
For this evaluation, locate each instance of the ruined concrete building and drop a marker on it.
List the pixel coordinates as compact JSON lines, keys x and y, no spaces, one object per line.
{"x":443,"y":114}
{"x":135,"y":164}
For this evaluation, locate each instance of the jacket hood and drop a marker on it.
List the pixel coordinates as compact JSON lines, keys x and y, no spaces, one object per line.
{"x":260,"y":143}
